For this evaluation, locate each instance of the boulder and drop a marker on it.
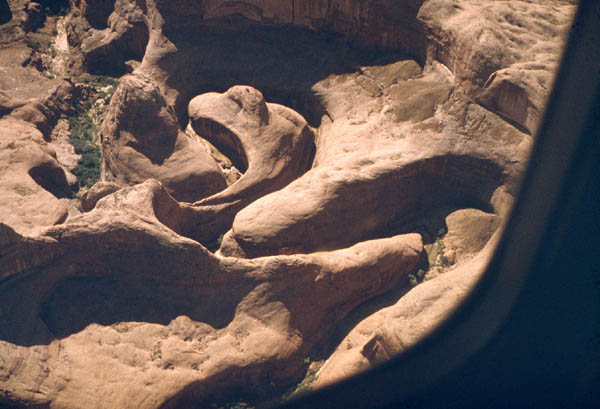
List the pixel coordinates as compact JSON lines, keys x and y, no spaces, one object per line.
{"x":97,"y":192}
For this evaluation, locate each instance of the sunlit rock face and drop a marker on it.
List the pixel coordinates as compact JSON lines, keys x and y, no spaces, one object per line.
{"x":289,"y":190}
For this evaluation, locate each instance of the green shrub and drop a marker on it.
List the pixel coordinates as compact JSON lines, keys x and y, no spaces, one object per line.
{"x":84,"y":132}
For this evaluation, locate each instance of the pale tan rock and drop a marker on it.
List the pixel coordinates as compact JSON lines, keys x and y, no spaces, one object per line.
{"x":141,"y":139}
{"x":380,"y":163}
{"x":8,"y":103}
{"x":60,"y":141}
{"x":44,"y":112}
{"x":31,"y":179}
{"x":122,"y":307}
{"x":97,"y":192}
{"x":469,"y":230}
{"x":392,"y":330}
{"x":132,"y":326}
{"x":503,"y":53}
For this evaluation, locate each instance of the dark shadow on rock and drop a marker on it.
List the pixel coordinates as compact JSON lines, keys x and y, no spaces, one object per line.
{"x":55,"y":6}
{"x":77,"y":302}
{"x":369,"y":209}
{"x":52,"y":178}
{"x":5,"y":13}
{"x":107,"y":277}
{"x":283,"y":62}
{"x":111,"y":59}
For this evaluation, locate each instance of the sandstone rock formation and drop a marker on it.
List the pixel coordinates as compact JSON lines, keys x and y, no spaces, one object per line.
{"x":97,"y":192}
{"x":104,"y":31}
{"x":141,"y":139}
{"x":376,"y":171}
{"x":394,"y":329}
{"x":270,"y":143}
{"x":194,"y":328}
{"x":502,"y":53}
{"x":381,"y":144}
{"x":31,"y":181}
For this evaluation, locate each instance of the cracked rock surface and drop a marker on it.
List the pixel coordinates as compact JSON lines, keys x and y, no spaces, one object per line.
{"x":281,"y":183}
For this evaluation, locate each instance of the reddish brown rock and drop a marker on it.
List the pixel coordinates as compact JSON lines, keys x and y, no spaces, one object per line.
{"x":123,"y":307}
{"x":502,"y":53}
{"x":31,"y":180}
{"x":8,"y":103}
{"x":379,"y":164}
{"x":384,"y":24}
{"x":183,"y":332}
{"x":141,"y":139}
{"x":97,"y":192}
{"x":44,"y":112}
{"x":107,"y":33}
{"x":271,"y":144}
{"x":392,"y":330}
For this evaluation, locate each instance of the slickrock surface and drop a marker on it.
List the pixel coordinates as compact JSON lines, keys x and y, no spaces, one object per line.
{"x":270,"y":143}
{"x":361,"y":159}
{"x":503,"y":53}
{"x":392,"y":330}
{"x":31,"y":180}
{"x":209,"y":320}
{"x":141,"y":139}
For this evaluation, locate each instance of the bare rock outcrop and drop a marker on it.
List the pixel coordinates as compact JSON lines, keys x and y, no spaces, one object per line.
{"x":366,"y":171}
{"x":383,"y":24}
{"x":141,"y":139}
{"x":107,"y":33}
{"x":97,"y":192}
{"x":31,"y":179}
{"x":380,"y":164}
{"x":271,"y":144}
{"x":502,"y":53}
{"x":44,"y":112}
{"x":393,"y":330}
{"x":182,"y":332}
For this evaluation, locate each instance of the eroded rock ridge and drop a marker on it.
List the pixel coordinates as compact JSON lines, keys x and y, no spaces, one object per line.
{"x":273,"y":174}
